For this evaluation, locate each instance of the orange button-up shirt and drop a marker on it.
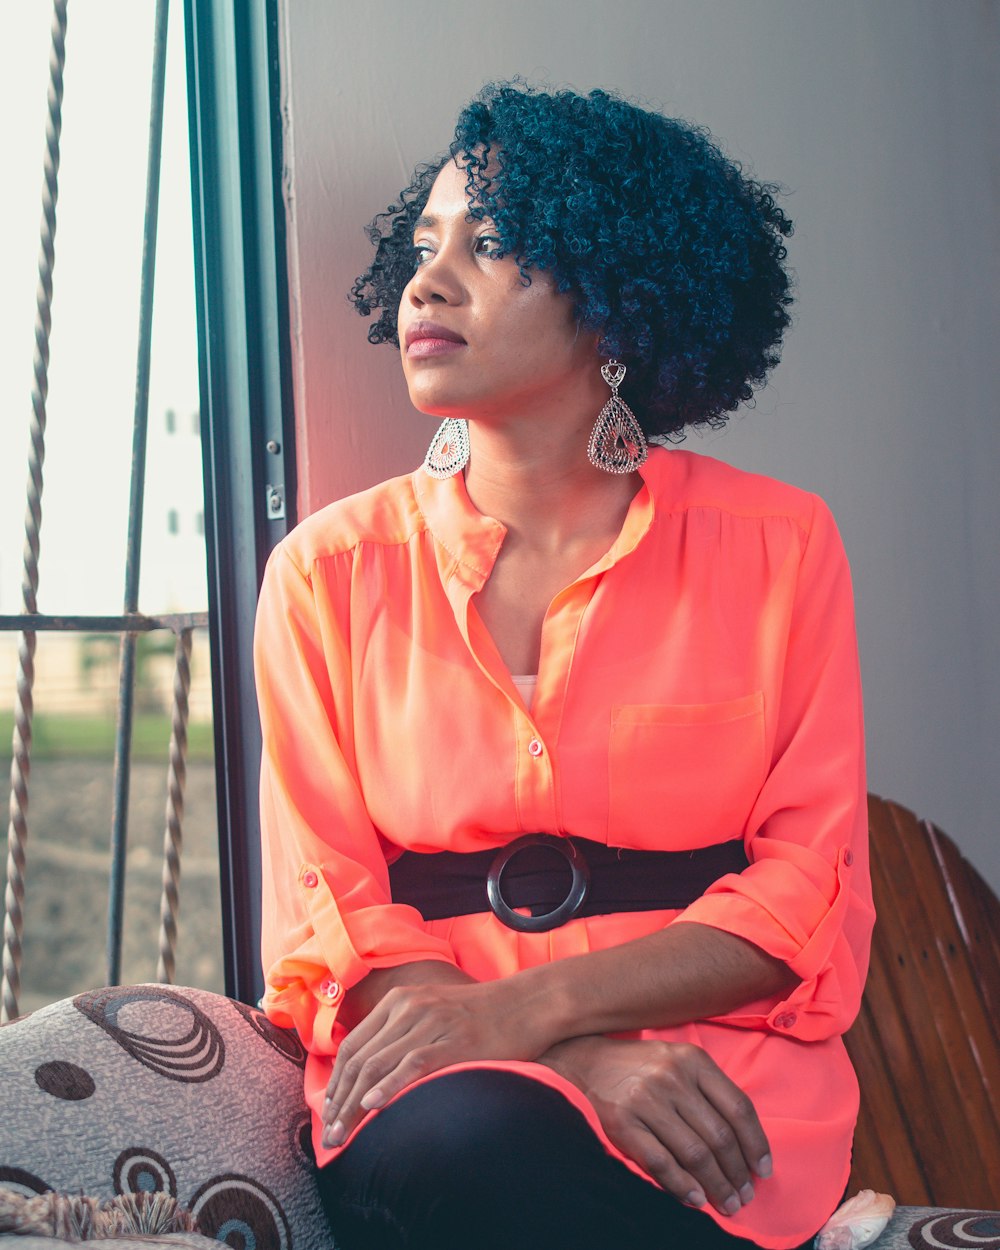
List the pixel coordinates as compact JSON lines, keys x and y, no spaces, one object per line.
{"x":696,"y":684}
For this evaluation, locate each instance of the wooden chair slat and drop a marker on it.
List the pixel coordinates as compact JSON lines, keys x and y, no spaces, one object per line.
{"x":918,"y":1055}
{"x":911,"y":1124}
{"x":877,"y":1163}
{"x":926,"y":1045}
{"x":919,"y":908}
{"x":966,"y":1028}
{"x":976,"y":914}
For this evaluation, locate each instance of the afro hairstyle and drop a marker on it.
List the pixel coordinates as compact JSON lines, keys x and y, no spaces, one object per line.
{"x":672,"y":255}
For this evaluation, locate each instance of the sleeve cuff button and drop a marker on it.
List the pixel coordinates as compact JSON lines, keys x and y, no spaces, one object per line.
{"x":331,"y":990}
{"x":785,"y":1020}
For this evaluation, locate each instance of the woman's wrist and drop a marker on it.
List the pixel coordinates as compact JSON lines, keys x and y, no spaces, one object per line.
{"x":543,"y":1001}
{"x":571,"y":1058}
{"x":371,"y":989}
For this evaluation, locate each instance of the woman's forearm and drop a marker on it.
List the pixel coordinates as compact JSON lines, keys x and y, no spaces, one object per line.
{"x":685,"y":972}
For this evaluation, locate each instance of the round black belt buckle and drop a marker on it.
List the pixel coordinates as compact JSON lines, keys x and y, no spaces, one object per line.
{"x":567,"y":909}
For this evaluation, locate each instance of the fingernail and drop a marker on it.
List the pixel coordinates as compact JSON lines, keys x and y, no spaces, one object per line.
{"x":374,"y":1098}
{"x":731,"y":1205}
{"x":328,"y":1109}
{"x":746,"y":1193}
{"x":695,"y":1198}
{"x":763,"y":1168}
{"x":334,"y":1135}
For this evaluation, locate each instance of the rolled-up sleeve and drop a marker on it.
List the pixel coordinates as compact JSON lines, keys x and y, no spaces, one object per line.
{"x":327,"y":914}
{"x":806,"y":897}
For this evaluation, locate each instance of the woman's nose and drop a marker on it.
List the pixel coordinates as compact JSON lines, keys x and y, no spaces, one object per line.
{"x":435,"y":281}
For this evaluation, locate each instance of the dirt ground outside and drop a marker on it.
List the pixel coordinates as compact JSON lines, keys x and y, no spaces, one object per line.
{"x":66,"y":880}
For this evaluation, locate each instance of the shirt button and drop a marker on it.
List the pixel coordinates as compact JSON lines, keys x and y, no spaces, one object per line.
{"x":848,"y":857}
{"x":310,"y":880}
{"x":785,"y":1020}
{"x":535,"y":748}
{"x":331,"y":990}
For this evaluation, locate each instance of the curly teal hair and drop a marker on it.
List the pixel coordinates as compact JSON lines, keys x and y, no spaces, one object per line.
{"x":671,"y":254}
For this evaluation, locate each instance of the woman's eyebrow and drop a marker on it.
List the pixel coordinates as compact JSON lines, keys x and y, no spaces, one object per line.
{"x":424,"y":221}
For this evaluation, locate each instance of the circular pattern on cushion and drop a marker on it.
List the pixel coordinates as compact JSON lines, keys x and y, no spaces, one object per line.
{"x":140,"y":1170}
{"x":300,"y":1140}
{"x":950,"y":1229}
{"x":242,"y":1213}
{"x":169,"y":1033}
{"x":284,"y":1041}
{"x":23,"y":1182}
{"x":64,"y":1080}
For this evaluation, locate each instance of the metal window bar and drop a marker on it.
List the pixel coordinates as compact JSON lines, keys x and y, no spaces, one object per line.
{"x":131,"y":622}
{"x":126,"y":677}
{"x":20,"y":769}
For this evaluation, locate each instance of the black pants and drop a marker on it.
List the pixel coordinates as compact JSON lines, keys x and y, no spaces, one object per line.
{"x":489,"y":1160}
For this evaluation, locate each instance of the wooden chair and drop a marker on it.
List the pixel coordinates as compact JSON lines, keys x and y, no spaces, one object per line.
{"x":927,"y":1042}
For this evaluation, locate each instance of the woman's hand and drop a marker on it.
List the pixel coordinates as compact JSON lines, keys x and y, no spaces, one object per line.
{"x":671,"y":1109}
{"x":414,"y":1030}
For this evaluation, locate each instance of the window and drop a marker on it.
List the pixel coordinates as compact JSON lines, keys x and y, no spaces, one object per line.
{"x":231,"y":114}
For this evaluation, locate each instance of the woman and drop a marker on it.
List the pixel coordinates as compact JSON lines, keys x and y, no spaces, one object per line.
{"x":630,"y":1038}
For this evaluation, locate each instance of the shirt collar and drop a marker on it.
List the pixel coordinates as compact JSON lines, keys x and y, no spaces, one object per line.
{"x":472,"y":541}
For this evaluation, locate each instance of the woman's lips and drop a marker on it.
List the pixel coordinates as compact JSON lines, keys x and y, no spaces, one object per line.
{"x":432,"y":347}
{"x":426,"y":338}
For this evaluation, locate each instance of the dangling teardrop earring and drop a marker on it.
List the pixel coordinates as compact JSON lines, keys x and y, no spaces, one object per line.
{"x":617,"y":443}
{"x":448,"y":453}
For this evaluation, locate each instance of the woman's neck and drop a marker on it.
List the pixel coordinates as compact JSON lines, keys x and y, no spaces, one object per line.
{"x":543,"y":488}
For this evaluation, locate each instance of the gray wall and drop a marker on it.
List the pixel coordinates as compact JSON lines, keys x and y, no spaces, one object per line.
{"x":881,"y":120}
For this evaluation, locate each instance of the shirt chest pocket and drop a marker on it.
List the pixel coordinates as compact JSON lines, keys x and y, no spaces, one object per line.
{"x":682,"y":776}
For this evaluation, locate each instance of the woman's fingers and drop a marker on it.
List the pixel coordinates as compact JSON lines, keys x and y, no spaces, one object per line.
{"x":366,"y":1057}
{"x":637,"y":1140}
{"x":380,"y":1076}
{"x":670,"y":1108}
{"x":702,"y":1151}
{"x":709,"y":1129}
{"x":412,"y":1032}
{"x":678,"y":1155}
{"x":350,"y":1060}
{"x":740,"y":1115}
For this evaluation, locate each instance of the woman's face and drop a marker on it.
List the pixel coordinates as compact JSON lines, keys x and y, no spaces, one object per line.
{"x":475,"y":341}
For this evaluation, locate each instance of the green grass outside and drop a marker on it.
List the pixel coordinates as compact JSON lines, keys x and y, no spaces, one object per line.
{"x":93,"y":737}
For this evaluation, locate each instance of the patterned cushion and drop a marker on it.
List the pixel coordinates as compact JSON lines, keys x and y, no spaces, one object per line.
{"x":146,"y":1087}
{"x":939,"y":1228}
{"x":142,"y":1088}
{"x":175,"y":1241}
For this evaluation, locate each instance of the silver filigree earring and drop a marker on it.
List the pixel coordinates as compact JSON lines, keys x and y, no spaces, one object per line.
{"x":617,"y":443}
{"x":448,"y":453}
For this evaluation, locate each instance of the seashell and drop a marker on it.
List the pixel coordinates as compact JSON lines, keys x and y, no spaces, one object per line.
{"x":857,"y":1223}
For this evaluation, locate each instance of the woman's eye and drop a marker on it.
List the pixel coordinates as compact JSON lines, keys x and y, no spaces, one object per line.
{"x":488,"y":245}
{"x":421,"y":251}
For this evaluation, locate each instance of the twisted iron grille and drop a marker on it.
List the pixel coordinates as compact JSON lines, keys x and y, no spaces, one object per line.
{"x":29,"y":622}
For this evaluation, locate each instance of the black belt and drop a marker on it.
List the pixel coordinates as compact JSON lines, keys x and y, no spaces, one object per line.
{"x":557,"y":879}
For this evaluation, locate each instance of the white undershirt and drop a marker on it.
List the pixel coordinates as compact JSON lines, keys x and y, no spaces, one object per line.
{"x":525,"y":683}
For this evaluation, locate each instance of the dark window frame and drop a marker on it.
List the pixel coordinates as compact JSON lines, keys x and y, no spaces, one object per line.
{"x":246,"y":407}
